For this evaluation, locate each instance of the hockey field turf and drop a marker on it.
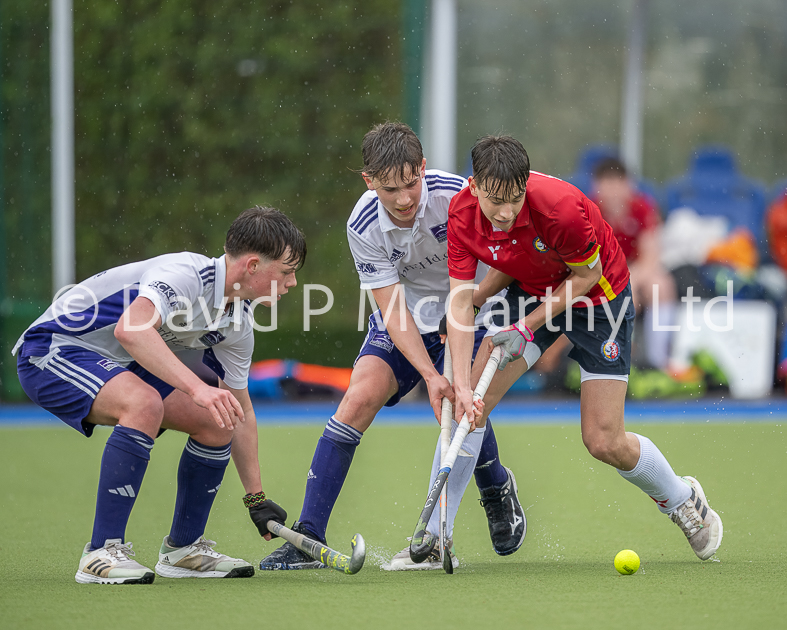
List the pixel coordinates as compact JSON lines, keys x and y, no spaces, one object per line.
{"x":580,"y":514}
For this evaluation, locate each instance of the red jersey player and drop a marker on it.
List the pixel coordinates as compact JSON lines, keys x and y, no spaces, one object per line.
{"x":566,"y":274}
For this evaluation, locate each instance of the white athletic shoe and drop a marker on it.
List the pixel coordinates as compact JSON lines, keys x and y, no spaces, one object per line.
{"x":402,"y":561}
{"x":199,"y":560}
{"x":701,"y":525}
{"x":112,"y":564}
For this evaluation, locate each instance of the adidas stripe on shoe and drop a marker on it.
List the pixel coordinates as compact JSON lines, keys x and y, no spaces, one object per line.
{"x":112,"y":564}
{"x":199,"y":560}
{"x":701,"y":525}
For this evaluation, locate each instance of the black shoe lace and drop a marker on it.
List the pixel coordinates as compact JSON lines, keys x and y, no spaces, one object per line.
{"x":495,"y":506}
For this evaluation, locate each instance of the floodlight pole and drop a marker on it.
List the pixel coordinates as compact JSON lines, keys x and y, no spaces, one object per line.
{"x":632,"y":105}
{"x":438,"y":121}
{"x":62,"y":88}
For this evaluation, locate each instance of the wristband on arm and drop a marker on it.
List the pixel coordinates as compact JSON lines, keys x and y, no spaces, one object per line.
{"x":250,"y":500}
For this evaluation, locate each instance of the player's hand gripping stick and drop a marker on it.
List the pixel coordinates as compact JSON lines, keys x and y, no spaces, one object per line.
{"x":513,"y":342}
{"x":417,"y":551}
{"x":262,"y":510}
{"x":269,"y":518}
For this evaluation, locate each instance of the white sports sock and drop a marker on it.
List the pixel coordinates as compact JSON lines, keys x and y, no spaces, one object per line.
{"x":655,"y":477}
{"x":461,"y":474}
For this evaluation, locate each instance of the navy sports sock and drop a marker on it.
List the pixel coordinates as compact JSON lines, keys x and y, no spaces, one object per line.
{"x":332,"y":459}
{"x":200,"y":472}
{"x":489,"y":471}
{"x":123,"y":465}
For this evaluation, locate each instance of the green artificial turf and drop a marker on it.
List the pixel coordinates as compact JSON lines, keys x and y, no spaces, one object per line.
{"x":580,"y":514}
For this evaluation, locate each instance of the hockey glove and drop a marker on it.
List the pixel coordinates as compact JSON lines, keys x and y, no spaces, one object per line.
{"x":513,"y":341}
{"x":262,"y":510}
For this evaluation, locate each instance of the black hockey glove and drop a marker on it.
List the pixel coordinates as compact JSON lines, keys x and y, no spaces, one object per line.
{"x":262,"y":510}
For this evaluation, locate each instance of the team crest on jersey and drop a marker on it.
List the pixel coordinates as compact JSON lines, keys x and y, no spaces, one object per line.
{"x":610,"y":349}
{"x":440,"y":232}
{"x":397,"y":255}
{"x":212,"y":338}
{"x":539,"y":246}
{"x":366,"y":267}
{"x":107,"y":364}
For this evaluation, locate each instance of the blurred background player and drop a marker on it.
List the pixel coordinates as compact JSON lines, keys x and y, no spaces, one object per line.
{"x":552,"y":241}
{"x":397,"y":236}
{"x":636,"y":224}
{"x":107,"y":353}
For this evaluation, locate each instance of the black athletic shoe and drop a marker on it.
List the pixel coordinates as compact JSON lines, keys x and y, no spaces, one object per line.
{"x":289,"y":558}
{"x":507,"y":522}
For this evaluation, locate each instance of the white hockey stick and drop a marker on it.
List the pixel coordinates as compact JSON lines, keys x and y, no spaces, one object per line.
{"x":416,"y":544}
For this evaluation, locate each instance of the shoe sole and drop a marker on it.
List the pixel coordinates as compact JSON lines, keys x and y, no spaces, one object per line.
{"x":168,"y":571}
{"x":524,"y":519}
{"x":716,"y":530}
{"x":88,"y":578}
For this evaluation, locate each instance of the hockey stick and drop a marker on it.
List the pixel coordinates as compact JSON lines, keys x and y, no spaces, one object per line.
{"x":445,"y":442}
{"x":417,"y":550}
{"x":335,"y":560}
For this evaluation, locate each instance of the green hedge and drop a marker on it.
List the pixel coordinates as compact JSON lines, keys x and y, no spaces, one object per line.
{"x":186,"y":114}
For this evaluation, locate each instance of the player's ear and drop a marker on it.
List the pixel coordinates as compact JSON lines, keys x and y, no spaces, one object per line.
{"x":368,"y":180}
{"x":253,"y":264}
{"x":423,"y":167}
{"x":473,"y":186}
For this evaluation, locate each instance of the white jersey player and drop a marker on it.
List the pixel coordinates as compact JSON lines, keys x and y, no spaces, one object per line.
{"x":106,"y":353}
{"x":398,"y":238}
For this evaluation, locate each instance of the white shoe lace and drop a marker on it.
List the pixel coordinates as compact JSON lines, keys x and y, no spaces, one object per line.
{"x":205,"y":546}
{"x":119,"y":551}
{"x":687,"y":518}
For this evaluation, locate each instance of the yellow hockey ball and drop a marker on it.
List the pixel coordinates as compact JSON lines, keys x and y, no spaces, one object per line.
{"x":627,"y":562}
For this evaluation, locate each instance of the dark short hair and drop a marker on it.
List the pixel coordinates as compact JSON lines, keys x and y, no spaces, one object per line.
{"x":267,"y":232}
{"x":389,"y":148}
{"x":500,"y":165}
{"x":610,"y":167}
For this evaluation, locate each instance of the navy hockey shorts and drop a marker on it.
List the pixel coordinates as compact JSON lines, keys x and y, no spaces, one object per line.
{"x":66,"y":382}
{"x":590,"y":331}
{"x":380,"y":344}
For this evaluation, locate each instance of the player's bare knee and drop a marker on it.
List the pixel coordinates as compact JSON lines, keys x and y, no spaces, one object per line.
{"x":599,"y":446}
{"x":212,"y":435}
{"x":608,"y":448}
{"x":359,"y":407}
{"x":145,"y":411}
{"x":358,"y":417}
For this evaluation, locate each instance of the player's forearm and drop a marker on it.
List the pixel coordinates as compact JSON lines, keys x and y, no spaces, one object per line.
{"x":148,"y":349}
{"x":460,"y":335}
{"x":574,"y":286}
{"x":401,"y":328}
{"x":245,"y":452}
{"x":407,"y":338}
